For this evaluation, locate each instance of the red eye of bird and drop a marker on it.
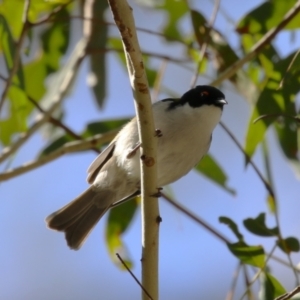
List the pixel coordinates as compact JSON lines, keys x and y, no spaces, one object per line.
{"x":204,"y":93}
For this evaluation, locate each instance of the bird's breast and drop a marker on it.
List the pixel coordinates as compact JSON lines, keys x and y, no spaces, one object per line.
{"x":186,"y":135}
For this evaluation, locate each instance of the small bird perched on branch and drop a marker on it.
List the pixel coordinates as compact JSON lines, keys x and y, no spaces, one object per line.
{"x":185,"y":132}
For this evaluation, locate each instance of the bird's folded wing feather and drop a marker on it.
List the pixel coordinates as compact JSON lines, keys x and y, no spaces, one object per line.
{"x":100,"y":161}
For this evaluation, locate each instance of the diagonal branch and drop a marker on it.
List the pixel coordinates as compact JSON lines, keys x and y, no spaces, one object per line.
{"x":248,"y":159}
{"x":266,"y":39}
{"x":63,"y":82}
{"x":133,"y":276}
{"x":197,"y":219}
{"x":70,"y":147}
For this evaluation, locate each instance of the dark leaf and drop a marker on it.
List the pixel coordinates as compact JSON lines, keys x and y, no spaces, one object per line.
{"x":55,"y":40}
{"x":267,"y":16}
{"x":9,"y":50}
{"x":270,"y":287}
{"x":103,"y":126}
{"x":258,"y":226}
{"x":56,"y":144}
{"x":97,"y":74}
{"x":289,"y":245}
{"x":232,"y":225}
{"x":200,"y":26}
{"x":91,"y":130}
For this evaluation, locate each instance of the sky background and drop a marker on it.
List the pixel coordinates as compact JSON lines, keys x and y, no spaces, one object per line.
{"x":35,"y":262}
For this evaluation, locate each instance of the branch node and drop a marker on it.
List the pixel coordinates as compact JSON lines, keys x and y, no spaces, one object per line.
{"x":158,"y":133}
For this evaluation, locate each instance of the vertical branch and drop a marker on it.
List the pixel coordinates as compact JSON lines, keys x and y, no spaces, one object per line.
{"x":122,"y":14}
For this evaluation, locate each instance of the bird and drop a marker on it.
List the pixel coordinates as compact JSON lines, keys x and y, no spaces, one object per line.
{"x":185,"y":128}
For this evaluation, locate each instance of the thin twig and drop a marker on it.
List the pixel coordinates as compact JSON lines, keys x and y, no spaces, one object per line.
{"x":287,"y":264}
{"x":196,"y":218}
{"x":289,"y":295}
{"x":205,"y":42}
{"x":247,"y":281}
{"x":70,"y":147}
{"x":101,"y":22}
{"x":58,"y":123}
{"x":256,"y":276}
{"x":274,"y":115}
{"x":266,"y":39}
{"x":55,"y":121}
{"x":248,"y":159}
{"x":133,"y":276}
{"x":152,"y":54}
{"x":288,"y":69}
{"x":52,"y":14}
{"x":276,"y":211}
{"x":234,"y":282}
{"x":17,"y":55}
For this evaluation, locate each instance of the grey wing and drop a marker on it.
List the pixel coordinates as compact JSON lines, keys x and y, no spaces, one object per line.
{"x":100,"y":161}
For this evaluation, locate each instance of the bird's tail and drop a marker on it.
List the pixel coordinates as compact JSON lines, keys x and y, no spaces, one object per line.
{"x":80,"y":216}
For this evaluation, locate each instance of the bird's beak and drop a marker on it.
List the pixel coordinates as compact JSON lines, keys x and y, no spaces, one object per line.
{"x":221,"y":101}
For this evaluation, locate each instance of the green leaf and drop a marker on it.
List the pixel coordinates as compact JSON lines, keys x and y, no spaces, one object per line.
{"x":119,"y":218}
{"x":267,"y":16}
{"x":16,"y":121}
{"x":223,"y":56}
{"x":35,"y":74}
{"x":216,"y":42}
{"x":270,"y":287}
{"x":258,"y":226}
{"x":15,"y":9}
{"x":251,"y":255}
{"x":103,"y":126}
{"x":97,"y":74}
{"x":289,"y":245}
{"x":55,"y":40}
{"x":210,"y":168}
{"x":271,"y":203}
{"x":56,"y":144}
{"x":273,"y":102}
{"x":8,"y":47}
{"x":232,"y":225}
{"x":175,"y":10}
{"x":200,"y":26}
{"x":91,"y":130}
